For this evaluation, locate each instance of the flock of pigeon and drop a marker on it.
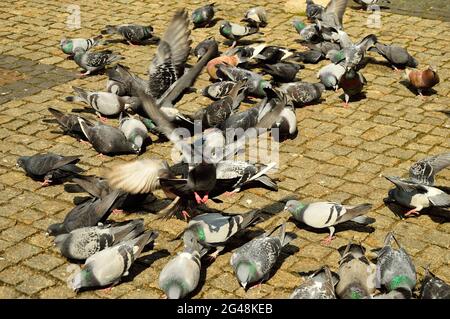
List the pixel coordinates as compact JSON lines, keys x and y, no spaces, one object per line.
{"x":110,"y":248}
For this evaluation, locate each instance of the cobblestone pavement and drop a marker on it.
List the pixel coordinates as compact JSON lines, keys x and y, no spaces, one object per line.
{"x":339,"y":154}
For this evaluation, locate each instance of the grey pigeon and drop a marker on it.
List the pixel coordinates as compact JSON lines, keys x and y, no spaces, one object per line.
{"x":201,"y":48}
{"x":256,"y":17}
{"x":395,"y":268}
{"x":123,"y":82}
{"x":324,"y":47}
{"x":68,"y":123}
{"x":235,"y":32}
{"x":180,"y":276}
{"x":254,"y":261}
{"x":356,"y":273}
{"x":203,"y":16}
{"x":68,"y":46}
{"x":397,"y":56}
{"x":332,"y":15}
{"x":109,"y":265}
{"x":313,"y":10}
{"x":271,"y":54}
{"x":219,"y":111}
{"x":352,"y":82}
{"x":287,"y":123}
{"x":354,"y":53}
{"x":433,"y":287}
{"x":50,"y":167}
{"x":218,"y":90}
{"x":104,"y":103}
{"x":328,"y":214}
{"x":418,"y":191}
{"x":309,"y":33}
{"x":255,"y":82}
{"x":212,"y":230}
{"x":132,"y":33}
{"x":94,"y":61}
{"x":312,"y":56}
{"x":134,"y":130}
{"x":283,"y":71}
{"x":301,"y":93}
{"x":320,"y":285}
{"x":330,"y":75}
{"x":171,"y":55}
{"x":106,"y":139}
{"x":88,"y":213}
{"x":83,"y":242}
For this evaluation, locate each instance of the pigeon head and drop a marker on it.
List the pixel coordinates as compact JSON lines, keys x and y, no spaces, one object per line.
{"x":246,"y":273}
{"x":21,"y":161}
{"x":298,"y":25}
{"x":56,"y":229}
{"x":193,"y":235}
{"x":83,"y":278}
{"x":225,"y":28}
{"x":262,"y":85}
{"x":133,"y":103}
{"x":66,"y":46}
{"x":197,"y":17}
{"x":294,"y":207}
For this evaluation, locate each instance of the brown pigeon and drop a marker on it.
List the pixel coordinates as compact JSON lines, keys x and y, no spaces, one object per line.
{"x":422,"y":80}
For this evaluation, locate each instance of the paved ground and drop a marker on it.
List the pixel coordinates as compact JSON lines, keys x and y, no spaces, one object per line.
{"x":338,"y":155}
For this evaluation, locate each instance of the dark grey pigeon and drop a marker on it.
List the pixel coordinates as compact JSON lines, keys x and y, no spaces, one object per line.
{"x":356,"y":273}
{"x":203,"y":16}
{"x":132,"y":33}
{"x":68,"y":123}
{"x":109,"y":265}
{"x":301,"y":93}
{"x":309,"y":33}
{"x":283,"y":72}
{"x":107,"y":139}
{"x":395,"y":268}
{"x":433,"y":287}
{"x":320,"y":285}
{"x":312,"y":56}
{"x":122,"y":81}
{"x":218,"y":90}
{"x":397,"y":56}
{"x":50,"y":167}
{"x":256,"y":17}
{"x":324,"y":47}
{"x":94,"y":61}
{"x":88,"y":213}
{"x":253,"y":262}
{"x":235,"y":32}
{"x":201,"y":48}
{"x":83,"y":242}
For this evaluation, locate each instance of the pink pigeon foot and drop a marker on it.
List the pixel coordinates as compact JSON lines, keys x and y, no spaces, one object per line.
{"x":45,"y":183}
{"x":346,"y":105}
{"x":117,"y":211}
{"x":412,"y":212}
{"x":328,"y":240}
{"x":214,"y":255}
{"x":103,"y":119}
{"x":102,"y":156}
{"x":107,"y":290}
{"x":185,"y":215}
{"x":205,"y":199}
{"x":84,"y":142}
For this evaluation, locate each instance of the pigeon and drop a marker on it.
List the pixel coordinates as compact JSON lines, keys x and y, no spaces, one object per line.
{"x":109,"y":265}
{"x":313,"y":10}
{"x":180,"y":276}
{"x":395,"y":269}
{"x":83,"y":242}
{"x":211,"y":66}
{"x":308,"y":33}
{"x":369,"y":3}
{"x":203,"y":16}
{"x":352,"y":82}
{"x":328,"y":214}
{"x":324,"y":47}
{"x":331,"y":15}
{"x":256,"y":17}
{"x":312,"y":56}
{"x":201,"y":49}
{"x":171,"y":55}
{"x":132,"y":33}
{"x":106,"y":139}
{"x":218,"y":90}
{"x":86,"y":214}
{"x":134,"y":130}
{"x":94,"y":61}
{"x":354,"y":53}
{"x":397,"y":56}
{"x":124,"y":83}
{"x":255,"y":82}
{"x":69,"y":123}
{"x":254,"y":261}
{"x":213,"y":230}
{"x":283,"y":72}
{"x":301,"y":93}
{"x":287,"y":123}
{"x":104,"y":103}
{"x":330,"y":75}
{"x":68,"y":46}
{"x":433,"y":287}
{"x":273,"y":54}
{"x":235,"y":32}
{"x":320,"y":285}
{"x":356,"y":273}
{"x":418,"y":191}
{"x":50,"y":167}
{"x":422,"y":80}
{"x":219,"y":111}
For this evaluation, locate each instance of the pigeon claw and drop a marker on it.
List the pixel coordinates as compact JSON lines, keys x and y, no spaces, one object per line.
{"x":103,"y":119}
{"x":412,"y":212}
{"x":185,"y":215}
{"x":46,"y":182}
{"x":346,"y":105}
{"x":117,"y":211}
{"x":328,"y":240}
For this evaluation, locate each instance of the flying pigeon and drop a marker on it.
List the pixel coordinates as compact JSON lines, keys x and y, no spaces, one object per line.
{"x":86,"y":214}
{"x":301,"y":93}
{"x":104,"y":103}
{"x":256,"y":17}
{"x":418,"y":191}
{"x":395,"y":269}
{"x":94,"y":61}
{"x":328,"y":214}
{"x":330,"y":75}
{"x":235,"y":32}
{"x":106,"y":139}
{"x":254,"y":261}
{"x":313,"y":10}
{"x":68,"y":46}
{"x":352,"y":82}
{"x":320,"y":285}
{"x":50,"y":167}
{"x":109,"y":265}
{"x":331,"y":15}
{"x":203,"y":16}
{"x":283,"y":72}
{"x":132,"y":33}
{"x":134,"y":130}
{"x":83,"y":242}
{"x":354,"y":53}
{"x":356,"y":273}
{"x":422,"y":80}
{"x":396,"y":55}
{"x":433,"y":287}
{"x":68,"y":123}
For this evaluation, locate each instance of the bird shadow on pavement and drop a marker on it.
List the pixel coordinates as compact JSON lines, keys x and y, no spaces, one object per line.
{"x":348,"y":225}
{"x":438,"y":215}
{"x":354,"y":98}
{"x":144,"y":262}
{"x":211,"y":24}
{"x":412,"y":89}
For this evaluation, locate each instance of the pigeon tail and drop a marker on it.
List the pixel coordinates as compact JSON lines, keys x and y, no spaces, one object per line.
{"x":109,"y":29}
